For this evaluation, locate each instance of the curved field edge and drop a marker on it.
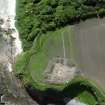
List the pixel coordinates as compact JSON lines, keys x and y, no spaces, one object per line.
{"x":32,"y":64}
{"x":23,"y":60}
{"x":89,"y":86}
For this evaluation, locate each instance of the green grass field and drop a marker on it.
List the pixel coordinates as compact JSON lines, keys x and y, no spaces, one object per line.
{"x":34,"y":62}
{"x":87,"y":98}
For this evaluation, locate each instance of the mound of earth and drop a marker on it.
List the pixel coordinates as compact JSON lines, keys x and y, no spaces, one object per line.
{"x":59,"y":73}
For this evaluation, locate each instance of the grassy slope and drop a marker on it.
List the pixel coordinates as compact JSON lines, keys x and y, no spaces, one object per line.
{"x":33,"y":63}
{"x":83,"y":89}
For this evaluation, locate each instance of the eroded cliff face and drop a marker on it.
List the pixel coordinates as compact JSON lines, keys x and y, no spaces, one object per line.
{"x":11,"y":90}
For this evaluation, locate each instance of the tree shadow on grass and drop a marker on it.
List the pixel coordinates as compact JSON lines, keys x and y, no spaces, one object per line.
{"x":56,"y":97}
{"x":75,"y":89}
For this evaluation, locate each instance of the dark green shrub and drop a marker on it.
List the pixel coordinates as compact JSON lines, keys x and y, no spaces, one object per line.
{"x":35,"y":17}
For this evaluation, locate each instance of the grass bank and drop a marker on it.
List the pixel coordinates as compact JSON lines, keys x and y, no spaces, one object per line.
{"x":36,"y":17}
{"x":32,"y":64}
{"x":85,"y":91}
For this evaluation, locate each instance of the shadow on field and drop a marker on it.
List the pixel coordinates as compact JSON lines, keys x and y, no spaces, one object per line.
{"x":51,"y":96}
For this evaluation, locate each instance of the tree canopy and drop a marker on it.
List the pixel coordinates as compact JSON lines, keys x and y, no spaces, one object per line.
{"x":35,"y":17}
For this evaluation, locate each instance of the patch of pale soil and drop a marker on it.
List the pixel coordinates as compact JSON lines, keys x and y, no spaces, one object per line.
{"x":60,"y":73}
